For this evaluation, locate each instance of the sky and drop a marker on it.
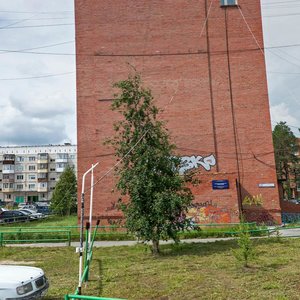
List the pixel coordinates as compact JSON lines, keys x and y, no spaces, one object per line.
{"x":38,"y":92}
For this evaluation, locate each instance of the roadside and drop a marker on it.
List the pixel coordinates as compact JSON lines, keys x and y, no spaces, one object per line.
{"x":292,"y":232}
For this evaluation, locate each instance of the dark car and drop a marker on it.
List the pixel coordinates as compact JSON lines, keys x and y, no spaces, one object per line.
{"x":11,"y":216}
{"x":45,"y":210}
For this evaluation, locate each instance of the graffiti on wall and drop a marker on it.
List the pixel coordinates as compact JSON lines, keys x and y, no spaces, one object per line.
{"x":195,"y":162}
{"x":207,"y":212}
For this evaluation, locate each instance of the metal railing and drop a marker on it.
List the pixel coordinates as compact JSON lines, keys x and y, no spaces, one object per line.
{"x":73,"y":297}
{"x":34,"y":236}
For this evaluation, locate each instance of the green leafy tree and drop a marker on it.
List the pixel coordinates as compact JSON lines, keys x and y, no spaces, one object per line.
{"x":64,"y":198}
{"x":287,"y":162}
{"x":148,"y":173}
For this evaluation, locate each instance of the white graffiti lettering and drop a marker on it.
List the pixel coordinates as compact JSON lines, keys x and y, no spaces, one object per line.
{"x":194,"y":162}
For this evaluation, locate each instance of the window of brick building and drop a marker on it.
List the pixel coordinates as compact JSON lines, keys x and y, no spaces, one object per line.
{"x":229,"y":2}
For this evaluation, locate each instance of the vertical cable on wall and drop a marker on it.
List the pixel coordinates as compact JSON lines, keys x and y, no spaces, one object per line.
{"x":233,"y":116}
{"x":211,"y":89}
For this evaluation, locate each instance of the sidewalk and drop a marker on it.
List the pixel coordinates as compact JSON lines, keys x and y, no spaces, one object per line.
{"x":116,"y":243}
{"x":293,"y":232}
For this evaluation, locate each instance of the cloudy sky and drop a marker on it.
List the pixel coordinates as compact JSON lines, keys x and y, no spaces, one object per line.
{"x":37,"y":90}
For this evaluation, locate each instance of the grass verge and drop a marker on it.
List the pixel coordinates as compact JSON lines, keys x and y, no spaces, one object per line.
{"x":184,"y":271}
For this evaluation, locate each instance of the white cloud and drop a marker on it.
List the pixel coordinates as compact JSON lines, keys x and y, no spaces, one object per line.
{"x":41,"y":110}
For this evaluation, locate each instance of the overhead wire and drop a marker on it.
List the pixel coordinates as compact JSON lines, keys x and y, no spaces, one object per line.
{"x":36,"y":77}
{"x":34,"y":48}
{"x":36,"y":26}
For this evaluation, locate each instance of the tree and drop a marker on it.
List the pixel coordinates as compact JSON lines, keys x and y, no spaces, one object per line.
{"x":64,"y":196}
{"x":148,"y":173}
{"x":286,"y":147}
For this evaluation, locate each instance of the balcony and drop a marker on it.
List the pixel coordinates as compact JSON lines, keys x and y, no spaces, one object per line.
{"x":61,"y":160}
{"x":42,"y":158}
{"x":8,"y":180}
{"x":8,"y":171}
{"x":8,"y":189}
{"x":42,"y":180}
{"x":42,"y":168}
{"x":42,"y":188}
{"x":42,"y":177}
{"x":8,"y":159}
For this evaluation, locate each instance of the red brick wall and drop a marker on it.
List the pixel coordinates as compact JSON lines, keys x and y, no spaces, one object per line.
{"x":216,"y":84}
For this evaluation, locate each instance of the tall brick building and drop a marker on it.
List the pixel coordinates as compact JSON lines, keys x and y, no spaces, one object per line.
{"x":200,"y":56}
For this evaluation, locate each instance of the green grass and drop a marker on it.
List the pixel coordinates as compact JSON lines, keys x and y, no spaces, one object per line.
{"x":184,"y":271}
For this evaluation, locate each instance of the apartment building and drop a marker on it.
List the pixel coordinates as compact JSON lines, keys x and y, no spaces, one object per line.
{"x":30,"y":173}
{"x":201,"y":60}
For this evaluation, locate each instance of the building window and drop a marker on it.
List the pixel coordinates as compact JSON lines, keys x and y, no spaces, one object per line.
{"x":52,"y":178}
{"x":229,"y":2}
{"x":31,"y":186}
{"x":31,"y":168}
{"x":19,"y":186}
{"x":20,"y":177}
{"x":52,"y":170}
{"x":31,"y":177}
{"x":31,"y":158}
{"x":19,"y":168}
{"x":20,"y":158}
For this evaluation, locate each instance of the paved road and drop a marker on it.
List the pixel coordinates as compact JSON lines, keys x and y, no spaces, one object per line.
{"x":295,"y":232}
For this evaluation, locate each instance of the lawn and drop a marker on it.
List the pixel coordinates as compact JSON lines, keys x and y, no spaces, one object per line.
{"x":185,"y":271}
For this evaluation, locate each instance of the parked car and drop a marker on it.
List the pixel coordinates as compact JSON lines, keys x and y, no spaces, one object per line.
{"x":295,"y":201}
{"x":44,"y":209}
{"x":32,"y":213}
{"x":22,"y":282}
{"x":10,"y":216}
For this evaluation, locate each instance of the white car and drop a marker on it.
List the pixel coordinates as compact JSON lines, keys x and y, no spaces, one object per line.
{"x":22,"y":282}
{"x":32,"y":213}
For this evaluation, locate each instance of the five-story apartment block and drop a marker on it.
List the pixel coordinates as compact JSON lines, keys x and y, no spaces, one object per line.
{"x":30,"y":173}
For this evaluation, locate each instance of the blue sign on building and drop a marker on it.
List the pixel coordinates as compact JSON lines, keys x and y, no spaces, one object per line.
{"x":220,"y":184}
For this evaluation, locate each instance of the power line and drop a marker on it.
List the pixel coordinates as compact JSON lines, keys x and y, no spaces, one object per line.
{"x":36,"y":26}
{"x":281,"y":15}
{"x":28,"y":49}
{"x":35,"y":12}
{"x":277,"y":123}
{"x":35,"y":77}
{"x":16,"y":22}
{"x":40,"y":19}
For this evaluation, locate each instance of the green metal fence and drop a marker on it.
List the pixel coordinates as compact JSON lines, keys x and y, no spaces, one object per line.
{"x":73,"y":297}
{"x":27,"y":235}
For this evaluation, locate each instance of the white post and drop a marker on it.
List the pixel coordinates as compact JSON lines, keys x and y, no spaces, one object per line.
{"x":81,"y":229}
{"x":91,"y":208}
